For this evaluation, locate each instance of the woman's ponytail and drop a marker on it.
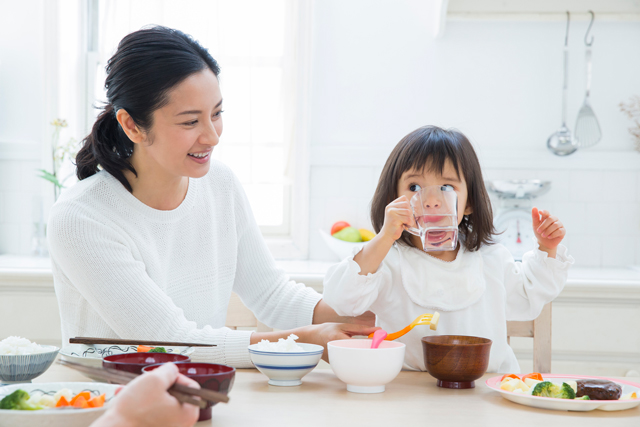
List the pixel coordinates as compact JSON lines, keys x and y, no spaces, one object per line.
{"x":106,"y":146}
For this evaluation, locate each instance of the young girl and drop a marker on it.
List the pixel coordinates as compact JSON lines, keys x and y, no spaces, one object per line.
{"x":476,"y":287}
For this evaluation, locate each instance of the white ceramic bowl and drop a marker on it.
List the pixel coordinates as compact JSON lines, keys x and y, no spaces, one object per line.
{"x":91,"y":355}
{"x":363,"y":369}
{"x":55,"y":417}
{"x":25,"y":367}
{"x":339,"y":247}
{"x":286,"y":368}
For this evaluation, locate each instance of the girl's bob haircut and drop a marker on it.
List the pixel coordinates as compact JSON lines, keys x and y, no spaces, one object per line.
{"x":429,"y":148}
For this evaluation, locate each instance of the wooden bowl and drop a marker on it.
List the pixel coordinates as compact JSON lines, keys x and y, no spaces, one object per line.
{"x":456,"y":361}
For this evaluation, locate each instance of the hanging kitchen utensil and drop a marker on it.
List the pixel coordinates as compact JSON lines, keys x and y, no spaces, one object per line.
{"x":587,"y":129}
{"x":562,"y":142}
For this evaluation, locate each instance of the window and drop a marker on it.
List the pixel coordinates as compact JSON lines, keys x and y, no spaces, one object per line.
{"x":254,"y":43}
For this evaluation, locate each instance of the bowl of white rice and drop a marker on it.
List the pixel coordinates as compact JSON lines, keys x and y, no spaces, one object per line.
{"x":22,"y":360}
{"x":285,"y":362}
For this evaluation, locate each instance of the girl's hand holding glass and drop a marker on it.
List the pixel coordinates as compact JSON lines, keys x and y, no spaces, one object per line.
{"x":548,"y":230}
{"x":397,"y":214}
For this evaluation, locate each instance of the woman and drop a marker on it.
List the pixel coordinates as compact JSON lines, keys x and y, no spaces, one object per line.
{"x":154,"y":238}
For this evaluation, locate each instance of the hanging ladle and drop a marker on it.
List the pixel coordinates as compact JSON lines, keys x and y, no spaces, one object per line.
{"x":562,"y":142}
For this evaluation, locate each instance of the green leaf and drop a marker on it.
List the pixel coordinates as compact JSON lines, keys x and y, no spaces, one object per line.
{"x":50,"y":177}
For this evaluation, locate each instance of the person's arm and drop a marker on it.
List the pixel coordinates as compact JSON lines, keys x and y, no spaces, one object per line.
{"x":532,"y":283}
{"x":549,"y":231}
{"x":397,"y":215}
{"x":144,"y":402}
{"x":264,"y":288}
{"x":101,"y":264}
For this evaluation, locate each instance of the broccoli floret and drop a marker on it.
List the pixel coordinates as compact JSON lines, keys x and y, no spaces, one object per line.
{"x":158,"y":350}
{"x":549,"y":389}
{"x":18,"y":400}
{"x":585,"y":397}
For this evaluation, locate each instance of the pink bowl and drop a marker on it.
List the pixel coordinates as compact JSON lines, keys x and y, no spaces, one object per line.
{"x":211,"y":376}
{"x":134,"y":362}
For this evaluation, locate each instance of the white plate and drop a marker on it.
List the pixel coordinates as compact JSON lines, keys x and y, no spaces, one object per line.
{"x":91,"y":355}
{"x":570,"y":404}
{"x":55,"y":417}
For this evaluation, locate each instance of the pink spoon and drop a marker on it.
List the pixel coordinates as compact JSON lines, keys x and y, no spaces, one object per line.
{"x":378,"y":337}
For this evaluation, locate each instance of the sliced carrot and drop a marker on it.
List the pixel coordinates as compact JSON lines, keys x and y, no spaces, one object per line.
{"x":509,"y":376}
{"x":143,"y":349}
{"x":80,"y":402}
{"x":84,"y":394}
{"x":62,"y":402}
{"x":97,"y":402}
{"x":534,"y":376}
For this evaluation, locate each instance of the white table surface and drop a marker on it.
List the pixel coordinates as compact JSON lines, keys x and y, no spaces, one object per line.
{"x":412,"y":399}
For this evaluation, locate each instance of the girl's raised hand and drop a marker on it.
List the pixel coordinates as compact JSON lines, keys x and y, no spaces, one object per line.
{"x":397,"y":214}
{"x":548,"y":230}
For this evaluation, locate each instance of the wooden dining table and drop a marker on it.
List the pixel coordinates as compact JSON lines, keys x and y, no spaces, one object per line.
{"x":412,"y":399}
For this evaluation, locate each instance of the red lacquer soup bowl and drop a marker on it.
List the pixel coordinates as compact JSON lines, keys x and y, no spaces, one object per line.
{"x":211,"y":376}
{"x":134,"y":362}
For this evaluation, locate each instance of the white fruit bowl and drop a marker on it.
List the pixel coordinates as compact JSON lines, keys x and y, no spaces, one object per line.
{"x":339,"y":247}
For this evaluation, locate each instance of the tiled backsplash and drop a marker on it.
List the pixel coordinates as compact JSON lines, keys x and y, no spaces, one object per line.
{"x":600,"y":209}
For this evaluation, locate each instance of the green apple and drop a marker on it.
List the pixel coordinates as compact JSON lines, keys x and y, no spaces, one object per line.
{"x":348,"y":234}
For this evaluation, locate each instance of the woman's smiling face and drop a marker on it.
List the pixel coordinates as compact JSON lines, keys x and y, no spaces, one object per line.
{"x":186,"y":129}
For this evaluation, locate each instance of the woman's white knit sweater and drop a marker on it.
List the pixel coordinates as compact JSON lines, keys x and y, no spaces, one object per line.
{"x":125,"y":270}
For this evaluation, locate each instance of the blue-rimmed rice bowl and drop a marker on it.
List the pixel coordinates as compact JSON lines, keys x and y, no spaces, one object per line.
{"x":22,"y":368}
{"x":286,"y":368}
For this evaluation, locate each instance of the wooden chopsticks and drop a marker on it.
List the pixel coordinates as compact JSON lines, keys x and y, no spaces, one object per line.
{"x":115,"y":341}
{"x":181,"y":392}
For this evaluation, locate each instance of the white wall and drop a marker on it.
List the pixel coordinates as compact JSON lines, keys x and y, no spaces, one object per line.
{"x":23,"y":118}
{"x":378,"y":74}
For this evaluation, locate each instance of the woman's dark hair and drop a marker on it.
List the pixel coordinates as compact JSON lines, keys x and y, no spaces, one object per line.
{"x":146,"y":66}
{"x":430,"y":147}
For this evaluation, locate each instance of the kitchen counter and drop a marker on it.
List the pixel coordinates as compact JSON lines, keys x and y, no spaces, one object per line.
{"x":622,"y":280}
{"x":595,"y":328}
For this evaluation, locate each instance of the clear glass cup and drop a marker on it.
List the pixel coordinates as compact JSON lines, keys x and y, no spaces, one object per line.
{"x":435,"y":211}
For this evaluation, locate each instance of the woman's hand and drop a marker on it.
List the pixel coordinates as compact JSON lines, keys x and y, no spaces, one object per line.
{"x":397,"y":214}
{"x":325,"y":332}
{"x":548,"y":230}
{"x":145,"y":402}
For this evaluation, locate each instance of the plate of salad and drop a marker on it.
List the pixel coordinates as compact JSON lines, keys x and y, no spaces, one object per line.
{"x":65,"y":404}
{"x":567,"y":392}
